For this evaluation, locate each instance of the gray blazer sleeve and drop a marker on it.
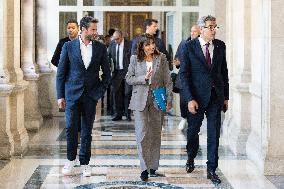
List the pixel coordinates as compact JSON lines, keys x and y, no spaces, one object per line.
{"x":130,"y":77}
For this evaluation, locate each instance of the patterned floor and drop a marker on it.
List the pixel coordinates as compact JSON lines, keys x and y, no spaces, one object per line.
{"x":115,"y":164}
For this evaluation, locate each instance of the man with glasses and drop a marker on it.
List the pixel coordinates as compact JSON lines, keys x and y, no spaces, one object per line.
{"x":204,"y":78}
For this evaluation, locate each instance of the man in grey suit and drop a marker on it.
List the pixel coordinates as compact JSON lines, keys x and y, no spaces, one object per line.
{"x":204,"y":78}
{"x":79,"y":87}
{"x":119,"y":51}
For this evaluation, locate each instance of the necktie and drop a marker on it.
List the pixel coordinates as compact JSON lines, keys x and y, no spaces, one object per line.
{"x":117,"y":57}
{"x":207,"y":55}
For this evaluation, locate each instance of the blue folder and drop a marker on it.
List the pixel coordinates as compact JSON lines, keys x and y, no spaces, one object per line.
{"x":160,"y":98}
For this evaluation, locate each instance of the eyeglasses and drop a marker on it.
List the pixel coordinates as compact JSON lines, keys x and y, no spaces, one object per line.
{"x":212,"y":27}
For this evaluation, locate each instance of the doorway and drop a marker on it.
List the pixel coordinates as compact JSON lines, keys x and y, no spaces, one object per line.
{"x":130,"y":23}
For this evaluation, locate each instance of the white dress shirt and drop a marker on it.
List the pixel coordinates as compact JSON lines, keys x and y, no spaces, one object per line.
{"x":121,"y":46}
{"x":203,"y":47}
{"x":86,"y":52}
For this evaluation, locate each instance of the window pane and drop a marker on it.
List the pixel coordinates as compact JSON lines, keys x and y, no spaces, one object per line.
{"x":67,"y":2}
{"x":88,"y":3}
{"x":188,"y":20}
{"x":190,"y":2}
{"x":88,"y":13}
{"x":137,"y":3}
{"x":63,"y":18}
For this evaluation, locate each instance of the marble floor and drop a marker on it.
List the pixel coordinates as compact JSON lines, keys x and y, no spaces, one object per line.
{"x":115,"y":164}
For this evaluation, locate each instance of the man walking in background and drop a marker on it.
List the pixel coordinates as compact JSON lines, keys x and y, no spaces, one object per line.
{"x":119,"y":51}
{"x":151,"y":27}
{"x":194,"y":33}
{"x":72,"y":28}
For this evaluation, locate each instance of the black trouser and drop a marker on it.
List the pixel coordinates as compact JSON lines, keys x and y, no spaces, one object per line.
{"x":84,"y":111}
{"x":213,"y":114}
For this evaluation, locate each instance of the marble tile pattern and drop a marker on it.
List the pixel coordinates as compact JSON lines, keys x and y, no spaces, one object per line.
{"x":115,"y":164}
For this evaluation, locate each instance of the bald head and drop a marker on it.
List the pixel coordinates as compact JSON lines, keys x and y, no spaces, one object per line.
{"x":117,"y":36}
{"x":194,"y":32}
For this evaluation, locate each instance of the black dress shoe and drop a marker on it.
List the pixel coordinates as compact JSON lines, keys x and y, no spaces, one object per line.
{"x":144,"y":175}
{"x":117,"y":118}
{"x":128,"y":118}
{"x":189,"y":166}
{"x":213,"y":177}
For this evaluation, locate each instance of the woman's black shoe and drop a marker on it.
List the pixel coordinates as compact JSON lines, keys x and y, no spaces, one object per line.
{"x":144,"y":175}
{"x":153,"y":173}
{"x":189,"y":167}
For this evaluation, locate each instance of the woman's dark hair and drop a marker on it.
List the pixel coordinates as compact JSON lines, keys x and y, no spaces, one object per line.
{"x":145,"y":39}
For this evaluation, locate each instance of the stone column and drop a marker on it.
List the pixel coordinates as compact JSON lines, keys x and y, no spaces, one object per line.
{"x":6,"y":141}
{"x":237,"y":119}
{"x":33,"y":118}
{"x":5,"y":90}
{"x":12,"y":85}
{"x":46,"y":81}
{"x":273,"y":90}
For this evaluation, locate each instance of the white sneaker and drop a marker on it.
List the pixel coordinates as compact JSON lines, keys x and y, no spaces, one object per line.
{"x":68,"y":168}
{"x":87,"y":170}
{"x":182,"y":124}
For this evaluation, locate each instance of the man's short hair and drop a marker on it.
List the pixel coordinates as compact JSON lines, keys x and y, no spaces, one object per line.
{"x":72,"y":21}
{"x":201,"y":21}
{"x":86,"y":20}
{"x":111,"y":31}
{"x":149,"y":21}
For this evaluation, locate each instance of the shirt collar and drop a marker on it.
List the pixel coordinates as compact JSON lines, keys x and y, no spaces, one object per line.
{"x":121,"y":44}
{"x":81,"y":42}
{"x":202,"y":42}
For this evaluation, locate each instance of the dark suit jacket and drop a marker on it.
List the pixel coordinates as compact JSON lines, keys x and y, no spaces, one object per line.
{"x":73,"y":78}
{"x":57,"y":52}
{"x":117,"y":77}
{"x":180,"y":48}
{"x":197,"y":79}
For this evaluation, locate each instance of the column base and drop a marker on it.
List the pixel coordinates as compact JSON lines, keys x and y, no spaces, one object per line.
{"x":46,"y":90}
{"x":254,"y":150}
{"x":33,"y":124}
{"x":236,"y":137}
{"x":274,"y":166}
{"x":19,"y":133}
{"x":33,"y":117}
{"x":5,"y":152}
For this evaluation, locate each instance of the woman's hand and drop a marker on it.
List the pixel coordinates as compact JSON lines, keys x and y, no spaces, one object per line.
{"x":176,"y":62}
{"x":148,"y":74}
{"x":169,"y":106}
